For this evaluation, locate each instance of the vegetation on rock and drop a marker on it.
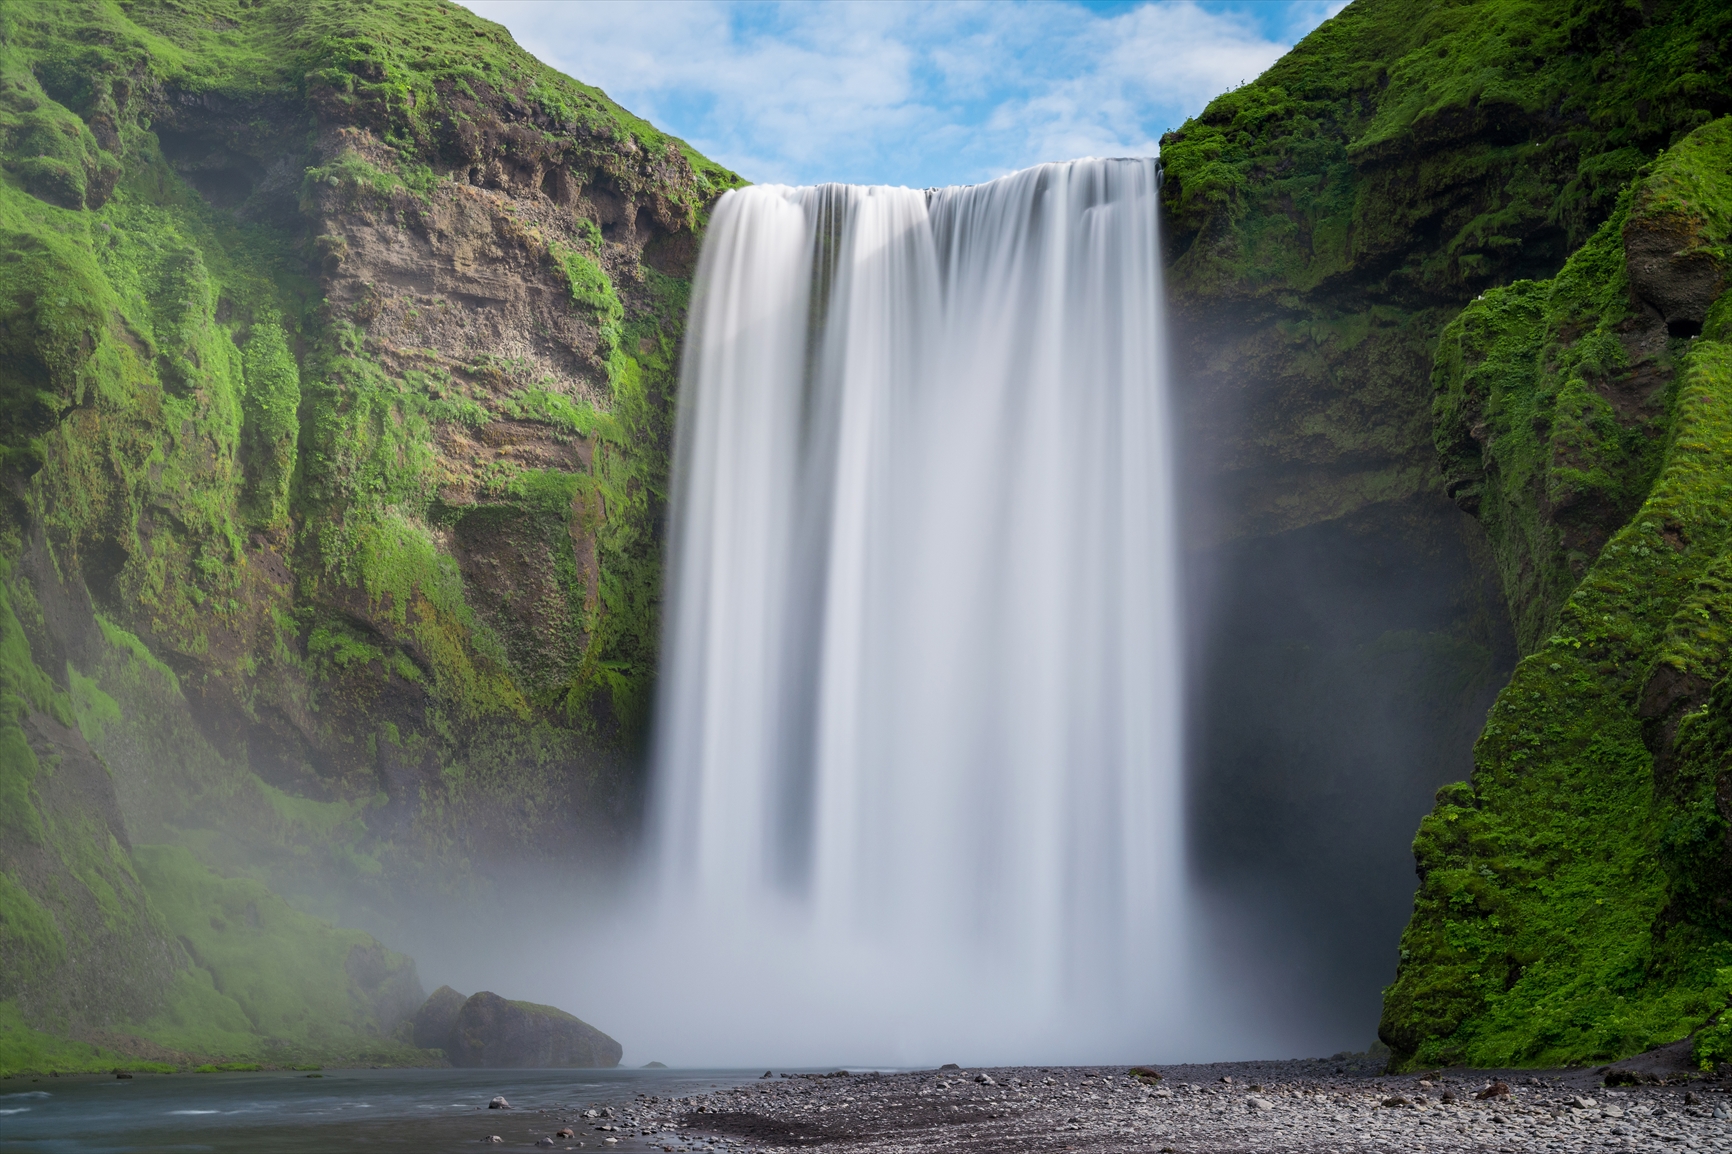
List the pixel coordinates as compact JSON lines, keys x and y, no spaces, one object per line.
{"x":337,"y":347}
{"x":1328,"y":221}
{"x":1576,"y":898}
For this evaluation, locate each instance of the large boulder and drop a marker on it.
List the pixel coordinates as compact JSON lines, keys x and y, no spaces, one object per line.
{"x":436,"y":1018}
{"x":490,"y":1031}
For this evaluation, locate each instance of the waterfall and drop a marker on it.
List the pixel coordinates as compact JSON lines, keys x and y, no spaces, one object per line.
{"x":919,"y":724}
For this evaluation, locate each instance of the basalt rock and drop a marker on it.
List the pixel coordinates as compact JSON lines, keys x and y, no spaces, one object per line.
{"x":494,"y":1033}
{"x":437,"y":1018}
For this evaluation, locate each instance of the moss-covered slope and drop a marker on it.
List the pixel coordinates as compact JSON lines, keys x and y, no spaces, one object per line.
{"x":1328,"y":217}
{"x":336,"y":344}
{"x":1576,"y":898}
{"x":1363,"y":590}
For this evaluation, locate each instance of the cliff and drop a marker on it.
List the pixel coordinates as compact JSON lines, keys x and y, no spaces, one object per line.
{"x":1437,"y":299}
{"x":336,"y":353}
{"x":337,"y":348}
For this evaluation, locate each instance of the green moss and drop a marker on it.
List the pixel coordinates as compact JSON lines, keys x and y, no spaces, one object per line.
{"x":360,"y":180}
{"x":1525,"y":436}
{"x":137,"y":652}
{"x":247,"y":480}
{"x":30,"y":941}
{"x":1538,"y":935}
{"x":1378,"y":122}
{"x":95,"y":709}
{"x":26,"y":1050}
{"x":1573,"y":903}
{"x":273,"y":399}
{"x":592,"y":290}
{"x":1691,"y":188}
{"x":264,"y":973}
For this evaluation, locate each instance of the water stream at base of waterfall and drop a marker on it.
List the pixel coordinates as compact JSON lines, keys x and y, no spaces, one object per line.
{"x":917,"y":788}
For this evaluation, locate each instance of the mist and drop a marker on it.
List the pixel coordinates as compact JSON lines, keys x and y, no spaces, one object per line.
{"x":1319,"y":685}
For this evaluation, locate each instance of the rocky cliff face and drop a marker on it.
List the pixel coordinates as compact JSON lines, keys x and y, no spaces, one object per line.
{"x":1364,"y":587}
{"x":1574,"y":900}
{"x":336,"y":358}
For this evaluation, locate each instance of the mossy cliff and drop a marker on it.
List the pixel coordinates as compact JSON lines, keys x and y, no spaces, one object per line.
{"x":1373,"y":564}
{"x":1576,"y":896}
{"x":336,"y":351}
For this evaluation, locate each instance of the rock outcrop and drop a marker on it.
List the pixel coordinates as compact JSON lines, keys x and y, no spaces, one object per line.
{"x":486,"y":1030}
{"x":1593,"y":842}
{"x":437,"y":1018}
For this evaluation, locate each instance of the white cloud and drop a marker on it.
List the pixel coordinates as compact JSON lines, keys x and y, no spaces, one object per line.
{"x":911,"y":92}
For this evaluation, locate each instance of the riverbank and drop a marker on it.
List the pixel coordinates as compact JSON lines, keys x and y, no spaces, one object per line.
{"x":1302,"y":1107}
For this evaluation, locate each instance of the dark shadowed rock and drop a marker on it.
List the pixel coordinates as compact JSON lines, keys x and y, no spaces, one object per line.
{"x":493,"y":1032}
{"x":436,"y":1018}
{"x":1654,"y":1067}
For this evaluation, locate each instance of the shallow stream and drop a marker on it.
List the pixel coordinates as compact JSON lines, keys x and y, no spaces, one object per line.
{"x":376,"y":1110}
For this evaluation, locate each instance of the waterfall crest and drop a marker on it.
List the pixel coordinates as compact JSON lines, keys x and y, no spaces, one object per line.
{"x":919,"y":716}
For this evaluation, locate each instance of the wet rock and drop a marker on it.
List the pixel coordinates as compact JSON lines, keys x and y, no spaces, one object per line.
{"x":436,"y":1017}
{"x":1494,"y":1090}
{"x":492,"y":1139}
{"x":568,"y":1132}
{"x":1674,"y":261}
{"x":499,"y":1103}
{"x":491,"y":1032}
{"x":985,"y":1079}
{"x":544,"y":1141}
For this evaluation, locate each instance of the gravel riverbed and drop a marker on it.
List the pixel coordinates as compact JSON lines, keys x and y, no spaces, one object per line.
{"x":1300,"y":1106}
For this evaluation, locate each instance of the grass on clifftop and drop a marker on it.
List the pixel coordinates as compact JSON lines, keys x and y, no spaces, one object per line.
{"x":394,"y":57}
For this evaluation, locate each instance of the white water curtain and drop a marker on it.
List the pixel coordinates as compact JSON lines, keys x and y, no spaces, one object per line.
{"x":919,"y":718}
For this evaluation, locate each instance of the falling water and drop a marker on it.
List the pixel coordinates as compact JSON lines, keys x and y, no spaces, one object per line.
{"x":919,"y":726}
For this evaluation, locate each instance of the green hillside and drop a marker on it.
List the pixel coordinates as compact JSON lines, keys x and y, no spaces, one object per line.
{"x":336,"y":351}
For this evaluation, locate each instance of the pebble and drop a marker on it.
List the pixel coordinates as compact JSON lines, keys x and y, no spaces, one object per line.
{"x":1230,"y":1108}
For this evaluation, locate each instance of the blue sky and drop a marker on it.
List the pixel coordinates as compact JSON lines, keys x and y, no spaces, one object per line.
{"x":917,"y":93}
